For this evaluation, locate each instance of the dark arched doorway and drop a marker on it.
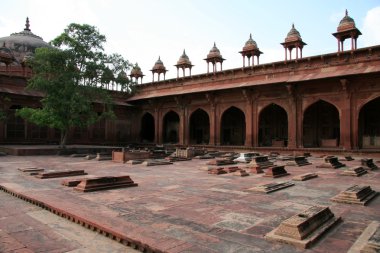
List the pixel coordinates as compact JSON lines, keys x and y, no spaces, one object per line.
{"x":199,"y":127}
{"x":369,"y":125}
{"x":171,"y":128}
{"x":273,"y":126}
{"x":147,"y":128}
{"x":232,"y":131}
{"x":15,"y":125}
{"x":321,"y":125}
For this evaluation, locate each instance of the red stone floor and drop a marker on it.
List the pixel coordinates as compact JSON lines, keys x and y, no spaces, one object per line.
{"x":180,"y":208}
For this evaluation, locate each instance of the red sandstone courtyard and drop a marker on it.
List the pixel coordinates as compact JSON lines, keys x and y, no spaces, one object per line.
{"x":175,"y":208}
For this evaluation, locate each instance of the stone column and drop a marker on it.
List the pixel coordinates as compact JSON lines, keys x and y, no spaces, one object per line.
{"x":212,"y":125}
{"x":345,"y":117}
{"x":255,"y":121}
{"x":248,"y":118}
{"x":292,"y":118}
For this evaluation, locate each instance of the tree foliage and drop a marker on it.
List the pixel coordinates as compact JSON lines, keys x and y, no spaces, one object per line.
{"x":74,"y":75}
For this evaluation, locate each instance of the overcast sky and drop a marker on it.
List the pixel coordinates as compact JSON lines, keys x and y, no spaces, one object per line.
{"x":143,"y":30}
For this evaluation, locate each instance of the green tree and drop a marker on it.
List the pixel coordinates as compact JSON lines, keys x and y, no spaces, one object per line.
{"x":74,"y":75}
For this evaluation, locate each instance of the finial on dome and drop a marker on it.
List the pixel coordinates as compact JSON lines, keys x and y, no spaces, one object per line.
{"x":214,"y":44}
{"x":27,"y":26}
{"x":293,"y":25}
{"x":346,"y":12}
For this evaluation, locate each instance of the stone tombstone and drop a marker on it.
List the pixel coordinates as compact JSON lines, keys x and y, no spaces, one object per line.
{"x":104,"y":183}
{"x":356,"y":194}
{"x":276,"y":171}
{"x":261,"y":161}
{"x":367,"y":162}
{"x":305,"y":228}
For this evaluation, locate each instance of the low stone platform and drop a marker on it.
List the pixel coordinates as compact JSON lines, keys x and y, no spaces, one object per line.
{"x":217,"y":171}
{"x":256,"y":170}
{"x":220,"y":162}
{"x":271,"y":187}
{"x":356,"y":171}
{"x":155,"y":162}
{"x":368,"y":163}
{"x":104,"y":183}
{"x":276,"y":171}
{"x":305,"y":176}
{"x":355,"y":194}
{"x":31,"y":169}
{"x":305,"y":228}
{"x":62,"y":173}
{"x":241,"y":173}
{"x":368,"y":241}
{"x":261,"y":162}
{"x":331,"y":162}
{"x":71,"y":182}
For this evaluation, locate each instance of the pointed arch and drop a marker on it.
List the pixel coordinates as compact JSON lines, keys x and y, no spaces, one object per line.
{"x":147,"y":128}
{"x":369,"y":124}
{"x":233,"y":127}
{"x":273,"y":126}
{"x":171,"y":127}
{"x":321,"y":125}
{"x":199,"y":127}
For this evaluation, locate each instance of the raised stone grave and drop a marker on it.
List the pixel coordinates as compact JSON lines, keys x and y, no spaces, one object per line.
{"x":104,"y":183}
{"x":356,"y":171}
{"x":256,"y":170}
{"x":368,"y":163}
{"x":373,"y":243}
{"x":155,"y":162}
{"x":276,"y":171}
{"x":355,"y":194}
{"x":62,"y":173}
{"x":303,"y":229}
{"x":271,"y":187}
{"x":348,"y":158}
{"x":368,"y":241}
{"x":297,"y":161}
{"x":124,"y":156}
{"x":176,"y":159}
{"x":133,"y":162}
{"x":205,"y":156}
{"x":261,"y":162}
{"x":217,"y":171}
{"x":103,"y":157}
{"x":31,"y":170}
{"x":331,"y":162}
{"x":220,"y":162}
{"x":231,"y":169}
{"x":241,"y":173}
{"x":305,"y":176}
{"x":71,"y":182}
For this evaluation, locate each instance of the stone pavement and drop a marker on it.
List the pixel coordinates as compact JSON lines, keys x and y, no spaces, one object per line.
{"x":179,"y":208}
{"x":26,"y":228}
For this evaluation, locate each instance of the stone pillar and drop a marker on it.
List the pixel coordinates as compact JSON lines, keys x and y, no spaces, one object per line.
{"x":248,"y":124}
{"x":255,"y":123}
{"x":345,"y":117}
{"x":182,"y":125}
{"x":299,"y":120}
{"x":212,"y":125}
{"x":292,"y":118}
{"x":159,"y":122}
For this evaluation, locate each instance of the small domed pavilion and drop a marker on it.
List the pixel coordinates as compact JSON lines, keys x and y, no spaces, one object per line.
{"x":347,"y":29}
{"x":293,"y":40}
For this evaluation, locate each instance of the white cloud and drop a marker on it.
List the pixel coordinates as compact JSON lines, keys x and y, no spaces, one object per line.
{"x":370,"y":30}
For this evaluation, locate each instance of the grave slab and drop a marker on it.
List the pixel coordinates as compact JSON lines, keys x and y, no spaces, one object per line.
{"x":356,"y":171}
{"x":104,"y":183}
{"x":276,"y":171}
{"x":62,"y":173}
{"x":305,"y":228}
{"x":355,"y":194}
{"x":305,"y":176}
{"x":271,"y":187}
